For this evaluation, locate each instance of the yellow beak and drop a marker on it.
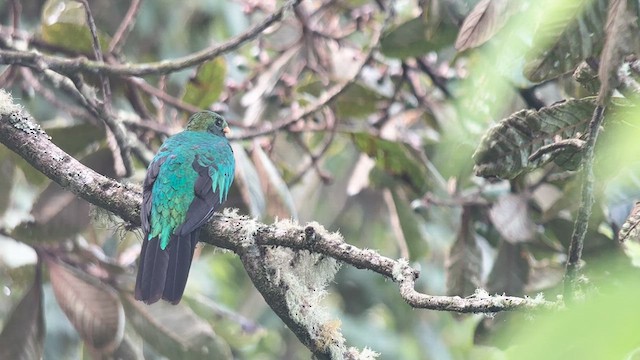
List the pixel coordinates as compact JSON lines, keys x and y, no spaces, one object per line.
{"x":226,"y":131}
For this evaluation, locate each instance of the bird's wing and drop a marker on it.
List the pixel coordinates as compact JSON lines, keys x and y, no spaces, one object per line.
{"x":147,"y":187}
{"x":208,"y":199}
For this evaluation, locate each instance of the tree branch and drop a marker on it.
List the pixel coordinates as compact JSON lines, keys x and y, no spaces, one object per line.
{"x":586,"y":204}
{"x":289,"y":264}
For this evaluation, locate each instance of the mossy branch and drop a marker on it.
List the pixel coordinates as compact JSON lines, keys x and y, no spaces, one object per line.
{"x":276,"y":256}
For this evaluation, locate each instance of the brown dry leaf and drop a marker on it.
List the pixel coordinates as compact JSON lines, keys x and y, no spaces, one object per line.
{"x":510,"y":272}
{"x":630,"y":229}
{"x":175,"y":331}
{"x":486,"y":18}
{"x":621,"y":40}
{"x":93,"y":308}
{"x":464,"y":264}
{"x":22,"y":337}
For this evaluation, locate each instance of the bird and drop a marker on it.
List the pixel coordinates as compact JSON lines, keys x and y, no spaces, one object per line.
{"x":186,"y":182}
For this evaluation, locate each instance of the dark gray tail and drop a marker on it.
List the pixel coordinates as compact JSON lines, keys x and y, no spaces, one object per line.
{"x":163,"y":273}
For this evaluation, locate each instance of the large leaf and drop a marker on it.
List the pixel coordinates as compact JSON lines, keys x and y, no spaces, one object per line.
{"x":64,"y":24}
{"x":206,"y":86}
{"x":175,"y":331}
{"x":23,"y":335}
{"x":93,"y":308}
{"x":604,"y":325}
{"x":237,"y":330}
{"x":621,"y":40}
{"x":128,"y":350}
{"x":572,"y":32}
{"x":510,"y":216}
{"x":464,"y":264}
{"x":510,"y":272}
{"x":280,"y":202}
{"x":395,"y":158}
{"x":505,"y":149}
{"x":59,"y":214}
{"x":358,"y":101}
{"x":486,"y":18}
{"x":75,"y":138}
{"x":414,"y":38}
{"x":248,"y":182}
{"x":410,"y":224}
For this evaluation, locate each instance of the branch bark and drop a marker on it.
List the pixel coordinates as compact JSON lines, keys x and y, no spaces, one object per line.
{"x":257,"y":244}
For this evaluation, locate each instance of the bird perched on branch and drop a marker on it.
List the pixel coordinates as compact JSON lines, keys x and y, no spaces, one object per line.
{"x":187,"y":180}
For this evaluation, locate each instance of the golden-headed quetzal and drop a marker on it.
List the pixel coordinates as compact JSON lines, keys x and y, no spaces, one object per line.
{"x":187,"y":180}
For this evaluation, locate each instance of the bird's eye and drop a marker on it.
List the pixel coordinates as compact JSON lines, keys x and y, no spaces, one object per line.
{"x":219,"y":122}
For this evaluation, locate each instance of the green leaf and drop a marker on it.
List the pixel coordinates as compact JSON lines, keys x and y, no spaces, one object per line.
{"x":602,"y":326}
{"x":64,"y":24}
{"x":358,"y":101}
{"x":505,"y":149}
{"x":414,"y":38}
{"x":23,"y":334}
{"x":74,"y":139}
{"x":572,"y":32}
{"x":73,"y":37}
{"x":395,"y":158}
{"x":175,"y":331}
{"x":206,"y":86}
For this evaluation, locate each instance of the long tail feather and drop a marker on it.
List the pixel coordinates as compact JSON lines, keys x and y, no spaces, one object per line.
{"x":180,"y":257}
{"x":152,"y":272}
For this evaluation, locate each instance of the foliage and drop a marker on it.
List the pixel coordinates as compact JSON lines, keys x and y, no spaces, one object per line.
{"x":384,"y":125}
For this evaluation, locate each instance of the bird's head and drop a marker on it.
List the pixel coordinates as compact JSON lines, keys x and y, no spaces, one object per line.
{"x":208,"y":121}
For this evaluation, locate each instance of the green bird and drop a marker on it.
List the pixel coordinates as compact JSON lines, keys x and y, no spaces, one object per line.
{"x":187,"y":180}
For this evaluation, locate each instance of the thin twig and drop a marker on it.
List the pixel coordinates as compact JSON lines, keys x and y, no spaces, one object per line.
{"x":125,"y":27}
{"x":396,"y":226}
{"x":16,"y":10}
{"x":162,"y":95}
{"x":576,"y":144}
{"x":315,"y":158}
{"x":51,"y":97}
{"x":97,"y":51}
{"x":586,"y":203}
{"x":324,"y":99}
{"x":437,"y":80}
{"x":65,"y":65}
